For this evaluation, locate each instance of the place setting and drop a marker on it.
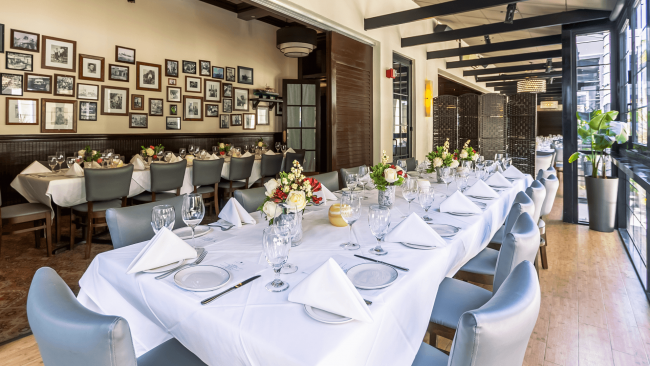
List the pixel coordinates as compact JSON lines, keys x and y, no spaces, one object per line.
{"x":497,"y":180}
{"x":457,"y":204}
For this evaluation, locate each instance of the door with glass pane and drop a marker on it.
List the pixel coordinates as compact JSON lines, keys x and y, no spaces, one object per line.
{"x":301,"y":119}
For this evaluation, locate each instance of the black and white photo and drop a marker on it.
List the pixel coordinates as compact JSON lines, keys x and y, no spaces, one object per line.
{"x":171,"y":81}
{"x":212,"y":90}
{"x":224,"y":121}
{"x":227,"y":106}
{"x":205,"y":68}
{"x":235,"y":120}
{"x":278,"y":109}
{"x":212,"y":110}
{"x":19,"y":61}
{"x":59,"y":54}
{"x":21,"y":111}
{"x":26,"y":41}
{"x":189,"y":67}
{"x":192,"y":108}
{"x":88,"y":111}
{"x":249,"y":121}
{"x":12,"y":84}
{"x":173,"y":123}
{"x":138,"y":120}
{"x":227,"y":90}
{"x":262,"y":115}
{"x":137,"y":102}
{"x":173,"y":94}
{"x":171,"y":68}
{"x":87,"y":91}
{"x":115,"y":100}
{"x":118,"y":73}
{"x":91,"y":68}
{"x":37,"y":83}
{"x":240,"y":99}
{"x":230,"y":74}
{"x":245,"y":75}
{"x":155,"y":107}
{"x":148,"y":76}
{"x":58,"y":115}
{"x":217,"y":72}
{"x":64,"y":85}
{"x":192,"y":84}
{"x":125,"y":55}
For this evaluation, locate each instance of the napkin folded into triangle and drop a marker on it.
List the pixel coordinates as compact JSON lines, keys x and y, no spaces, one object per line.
{"x":213,"y":157}
{"x":75,"y":171}
{"x":95,"y":165}
{"x":325,"y":194}
{"x":414,"y":230}
{"x":136,"y":157}
{"x":458,"y":203}
{"x":270,"y":152}
{"x":498,"y":180}
{"x":163,"y":249}
{"x":236,"y":214}
{"x":35,"y":168}
{"x":481,"y":189}
{"x":246,"y":154}
{"x":513,"y":173}
{"x":291,"y":151}
{"x":329,"y":288}
{"x":138,"y":164}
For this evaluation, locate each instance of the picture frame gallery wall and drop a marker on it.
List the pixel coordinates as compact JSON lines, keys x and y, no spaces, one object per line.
{"x":95,"y":76}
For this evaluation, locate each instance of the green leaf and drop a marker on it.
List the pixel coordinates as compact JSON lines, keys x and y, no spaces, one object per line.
{"x":585,"y":132}
{"x":574,"y":157}
{"x":603,"y":142}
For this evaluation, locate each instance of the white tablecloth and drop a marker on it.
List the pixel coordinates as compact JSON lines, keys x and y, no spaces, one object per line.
{"x":251,"y":326}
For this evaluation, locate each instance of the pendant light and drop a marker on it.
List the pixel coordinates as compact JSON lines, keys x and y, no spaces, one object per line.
{"x":296,"y":40}
{"x":531,"y":86}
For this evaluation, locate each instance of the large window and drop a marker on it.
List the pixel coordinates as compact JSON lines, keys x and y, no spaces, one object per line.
{"x":402,"y":107}
{"x":640,"y":105}
{"x":636,"y":228}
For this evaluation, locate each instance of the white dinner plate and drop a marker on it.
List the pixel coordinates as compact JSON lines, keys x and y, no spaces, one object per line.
{"x":201,"y":278}
{"x":444,"y":230}
{"x":325,"y":316}
{"x":372,"y":276}
{"x":167,"y":267}
{"x":186,"y":233}
{"x":416,"y":246}
{"x":460,"y":213}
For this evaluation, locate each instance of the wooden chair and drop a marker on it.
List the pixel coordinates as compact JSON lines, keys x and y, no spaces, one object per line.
{"x":37,"y":213}
{"x":206,"y":175}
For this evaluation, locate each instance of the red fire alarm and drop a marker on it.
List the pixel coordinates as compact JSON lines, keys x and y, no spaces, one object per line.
{"x":390,"y":73}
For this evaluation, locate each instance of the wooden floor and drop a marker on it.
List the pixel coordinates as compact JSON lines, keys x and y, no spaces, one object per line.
{"x":594,"y":311}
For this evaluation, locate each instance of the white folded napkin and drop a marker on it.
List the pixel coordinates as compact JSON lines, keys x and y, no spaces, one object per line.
{"x":35,"y":168}
{"x":481,"y":189}
{"x":325,"y":194}
{"x":136,"y":157}
{"x":75,"y":171}
{"x":498,"y":180}
{"x":270,"y":152}
{"x":163,"y":249}
{"x":513,"y":173}
{"x":138,"y":164}
{"x":328,"y":288}
{"x":414,"y":230}
{"x":423,"y":183}
{"x":213,"y":157}
{"x":236,"y":214}
{"x":95,"y":165}
{"x":291,"y":151}
{"x":458,"y":203}
{"x":247,"y":154}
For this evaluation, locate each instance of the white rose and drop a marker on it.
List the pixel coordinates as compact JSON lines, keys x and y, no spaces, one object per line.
{"x":454,"y":164}
{"x":271,"y":186}
{"x":463,"y":154}
{"x":81,"y":153}
{"x":437,"y":162}
{"x":260,"y":144}
{"x":294,"y":186}
{"x":222,"y":145}
{"x":475,"y":157}
{"x":390,"y":175}
{"x":297,"y":199}
{"x":269,"y":209}
{"x":284,"y":181}
{"x":94,"y":152}
{"x":149,"y":151}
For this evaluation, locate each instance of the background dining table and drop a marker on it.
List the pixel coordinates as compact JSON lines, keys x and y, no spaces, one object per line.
{"x":251,"y":326}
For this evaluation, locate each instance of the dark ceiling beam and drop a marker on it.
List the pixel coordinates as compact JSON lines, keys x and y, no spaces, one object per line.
{"x":567,"y":17}
{"x":501,"y":70}
{"x":493,"y":47}
{"x":518,"y":76}
{"x":505,"y":59}
{"x":426,"y":12}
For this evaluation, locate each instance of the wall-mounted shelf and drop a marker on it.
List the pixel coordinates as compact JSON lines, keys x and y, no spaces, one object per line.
{"x":272,"y":102}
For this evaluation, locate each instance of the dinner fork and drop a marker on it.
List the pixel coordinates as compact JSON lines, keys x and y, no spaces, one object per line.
{"x":197,"y":261}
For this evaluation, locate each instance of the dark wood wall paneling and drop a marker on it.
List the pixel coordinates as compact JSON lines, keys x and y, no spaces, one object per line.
{"x":18,"y":151}
{"x":549,"y":123}
{"x":450,"y":87}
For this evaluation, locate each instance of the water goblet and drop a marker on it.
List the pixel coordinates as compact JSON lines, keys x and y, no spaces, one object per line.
{"x":276,"y":250}
{"x":278,"y":145}
{"x":351,"y":181}
{"x":363,"y":172}
{"x":115,"y":160}
{"x":426,"y":197}
{"x":245,"y":149}
{"x":52,"y":161}
{"x":193,"y":211}
{"x":159,"y":154}
{"x":60,"y":158}
{"x":190,"y":149}
{"x":410,"y":192}
{"x":461,"y":181}
{"x":163,"y":216}
{"x":284,"y":149}
{"x":379,"y":222}
{"x":71,"y":160}
{"x":350,"y":212}
{"x":447,"y":177}
{"x":286,"y":222}
{"x":168,"y":156}
{"x":215,"y":150}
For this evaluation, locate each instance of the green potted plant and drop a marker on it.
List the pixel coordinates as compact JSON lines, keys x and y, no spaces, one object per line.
{"x":601,"y":190}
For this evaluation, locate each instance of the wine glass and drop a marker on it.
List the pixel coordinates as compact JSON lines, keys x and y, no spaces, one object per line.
{"x":71,"y":160}
{"x":245,"y":148}
{"x":215,"y":150}
{"x":351,"y":181}
{"x":379,"y":222}
{"x":115,"y":160}
{"x":278,"y":146}
{"x":426,"y":196}
{"x":193,"y":211}
{"x":410,"y":192}
{"x":52,"y":161}
{"x":447,"y":177}
{"x":163,"y":216}
{"x":60,"y":158}
{"x":284,"y":149}
{"x":190,"y":149}
{"x":276,"y":250}
{"x":461,"y":181}
{"x":110,"y":151}
{"x":363,"y":171}
{"x":159,"y":154}
{"x":286,"y":222}
{"x":350,"y":212}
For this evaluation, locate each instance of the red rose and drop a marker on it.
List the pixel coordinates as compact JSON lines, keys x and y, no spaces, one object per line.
{"x":222,"y":153}
{"x":315,"y":185}
{"x":399,"y":172}
{"x":151,"y":147}
{"x":392,"y":166}
{"x":316,"y":200}
{"x":406,"y":175}
{"x":99,"y":161}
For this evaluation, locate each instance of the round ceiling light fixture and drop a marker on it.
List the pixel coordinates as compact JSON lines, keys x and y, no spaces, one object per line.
{"x":531,"y":86}
{"x":296,"y":40}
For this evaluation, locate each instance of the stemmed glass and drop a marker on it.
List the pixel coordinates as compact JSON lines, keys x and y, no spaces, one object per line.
{"x":115,"y":160}
{"x":426,"y":196}
{"x":350,"y":212}
{"x":276,"y":250}
{"x":363,"y":171}
{"x":379,"y":222}
{"x":410,"y":192}
{"x":245,"y":149}
{"x":190,"y":149}
{"x":168,"y":156}
{"x":163,"y":216}
{"x":278,"y":146}
{"x":60,"y":158}
{"x":215,"y":150}
{"x":52,"y":161}
{"x":461,"y":181}
{"x":286,"y":223}
{"x":182,"y":152}
{"x":351,"y":181}
{"x":159,"y":154}
{"x":193,"y":211}
{"x":447,"y":177}
{"x":71,"y":161}
{"x":284,"y":149}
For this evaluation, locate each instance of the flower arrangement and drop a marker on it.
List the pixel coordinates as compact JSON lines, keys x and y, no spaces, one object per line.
{"x":467,"y":153}
{"x":224,"y":148}
{"x":384,"y":175}
{"x":90,"y":155}
{"x":293,"y":188}
{"x":442,"y":158}
{"x":260,"y":143}
{"x":152,"y":150}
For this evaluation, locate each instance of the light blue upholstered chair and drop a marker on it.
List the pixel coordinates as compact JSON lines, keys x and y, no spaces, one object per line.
{"x":250,"y":198}
{"x":329,"y":180}
{"x":164,"y":177}
{"x":551,"y":184}
{"x":68,"y":334}
{"x":496,"y":333}
{"x":537,"y":192}
{"x":206,"y":175}
{"x":545,"y":173}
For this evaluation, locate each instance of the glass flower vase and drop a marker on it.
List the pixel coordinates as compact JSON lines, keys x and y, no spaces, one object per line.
{"x":387,"y":197}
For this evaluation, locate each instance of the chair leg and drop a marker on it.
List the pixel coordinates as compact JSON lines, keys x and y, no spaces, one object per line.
{"x":73,"y":229}
{"x":58,"y":223}
{"x":37,"y":234}
{"x":89,"y":236}
{"x":216,"y":199}
{"x":48,"y":233}
{"x":542,"y":254}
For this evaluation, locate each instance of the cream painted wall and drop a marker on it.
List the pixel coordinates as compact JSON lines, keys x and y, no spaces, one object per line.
{"x":158,"y":30}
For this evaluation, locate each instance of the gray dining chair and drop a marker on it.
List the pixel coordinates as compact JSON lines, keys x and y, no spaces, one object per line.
{"x":559,"y":157}
{"x":164,"y":177}
{"x":329,"y":180}
{"x":343,"y":175}
{"x":69,"y":334}
{"x":240,"y":169}
{"x":206,"y":175}
{"x":544,"y":173}
{"x":271,"y":165}
{"x":496,"y":333}
{"x":537,"y":193}
{"x":131,"y":225}
{"x":551,"y":184}
{"x":543,"y":161}
{"x":37,"y":213}
{"x":251,"y":198}
{"x":411,"y":164}
{"x":105,"y":188}
{"x":456,"y":297}
{"x":299,"y":156}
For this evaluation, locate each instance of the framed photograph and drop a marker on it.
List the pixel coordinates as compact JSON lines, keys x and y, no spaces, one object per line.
{"x":138,"y":120}
{"x":12,"y":84}
{"x":230,"y":74}
{"x":19,"y":61}
{"x":192,"y":84}
{"x":235,"y":120}
{"x":245,"y":75}
{"x":87,"y":91}
{"x":91,"y":68}
{"x":21,"y":111}
{"x":125,"y":55}
{"x":171,"y":81}
{"x":155,"y":107}
{"x":115,"y":100}
{"x":64,"y":85}
{"x":205,"y":68}
{"x":263,"y":115}
{"x":118,"y":73}
{"x":192,"y":108}
{"x":38,"y":83}
{"x":137,"y":102}
{"x":278,"y":109}
{"x":58,"y":116}
{"x":227,"y":90}
{"x":217,"y":72}
{"x":227,"y":106}
{"x":189,"y":67}
{"x":21,"y":40}
{"x":173,"y":94}
{"x":173,"y":110}
{"x":148,"y":76}
{"x":87,"y":111}
{"x":171,"y":68}
{"x":224,"y":121}
{"x":249,"y":121}
{"x":173,"y":123}
{"x":212,"y":90}
{"x":59,"y":54}
{"x":212,"y":110}
{"x":240,"y":99}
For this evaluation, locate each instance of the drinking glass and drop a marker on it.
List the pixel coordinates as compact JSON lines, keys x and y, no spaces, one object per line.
{"x":193,"y":211}
{"x":197,"y":149}
{"x":215,"y":150}
{"x":52,"y":161}
{"x":461,"y":181}
{"x":115,"y":160}
{"x":104,"y":160}
{"x":350,"y":212}
{"x":110,"y":151}
{"x":159,"y":155}
{"x":245,"y":148}
{"x":286,"y":222}
{"x":447,"y":177}
{"x":163,"y":216}
{"x":379,"y":222}
{"x":182,"y":152}
{"x":426,"y":196}
{"x":276,"y":250}
{"x":410,"y":192}
{"x":284,"y":149}
{"x":190,"y":149}
{"x":363,"y":171}
{"x":60,"y":158}
{"x":80,"y":159}
{"x":351,"y":181}
{"x":278,"y":146}
{"x":71,"y":160}
{"x":507,"y":163}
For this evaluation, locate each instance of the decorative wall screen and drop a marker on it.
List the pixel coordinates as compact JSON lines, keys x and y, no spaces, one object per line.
{"x":493,"y":123}
{"x":522,"y":129}
{"x":445,"y":121}
{"x":468,"y":107}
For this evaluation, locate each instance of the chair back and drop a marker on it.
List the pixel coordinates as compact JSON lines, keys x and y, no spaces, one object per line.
{"x":343,"y":175}
{"x":329,"y":180}
{"x":543,"y":161}
{"x":497,"y":333}
{"x":166,"y":177}
{"x":241,"y":168}
{"x":411,"y":164}
{"x":520,"y":244}
{"x":559,"y":153}
{"x":68,"y":333}
{"x":551,"y":184}
{"x":251,"y":198}
{"x":206,"y":172}
{"x":537,"y":192}
{"x":521,"y":204}
{"x":545,"y":173}
{"x":131,"y":225}
{"x":288,"y":162}
{"x":107,"y":184}
{"x":271,"y":165}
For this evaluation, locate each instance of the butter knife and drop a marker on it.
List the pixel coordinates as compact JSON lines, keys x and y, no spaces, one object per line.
{"x":210,"y":299}
{"x":388,"y":264}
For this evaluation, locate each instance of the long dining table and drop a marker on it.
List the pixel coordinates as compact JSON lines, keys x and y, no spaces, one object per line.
{"x":252,"y":326}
